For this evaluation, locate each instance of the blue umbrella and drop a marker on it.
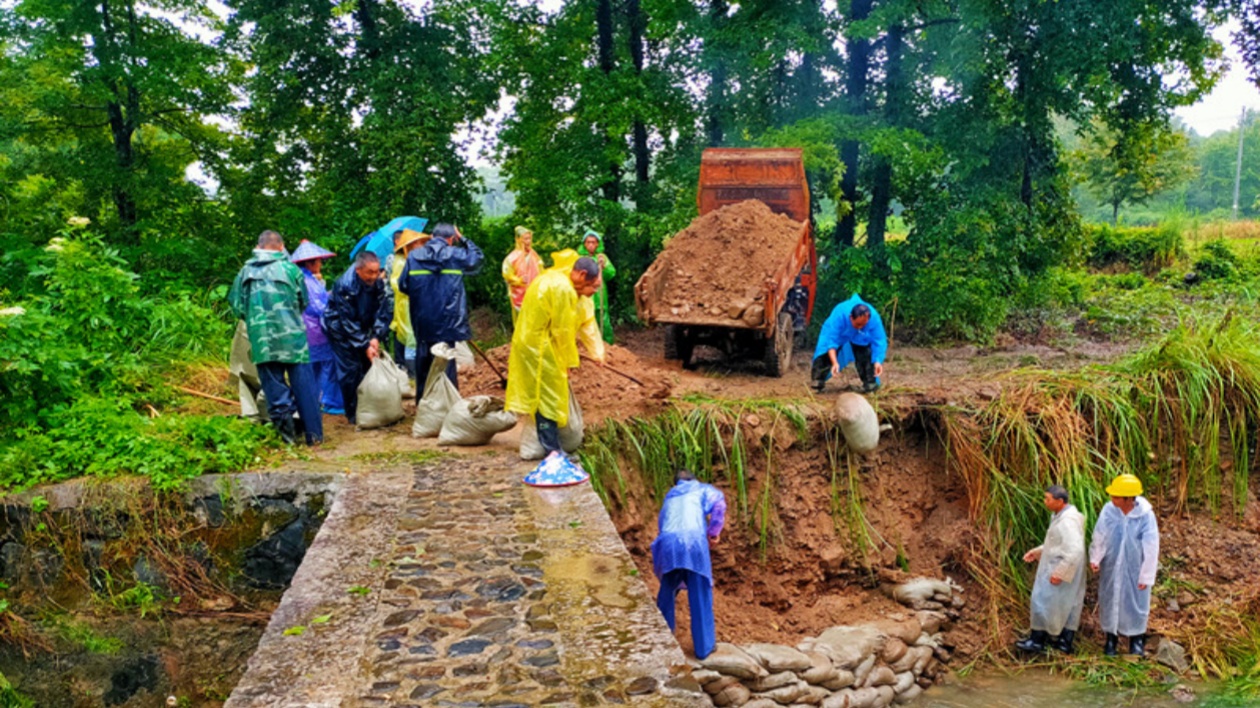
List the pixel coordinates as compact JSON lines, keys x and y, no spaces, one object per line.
{"x":381,"y":241}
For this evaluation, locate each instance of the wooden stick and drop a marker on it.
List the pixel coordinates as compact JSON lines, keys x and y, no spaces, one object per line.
{"x":486,"y":359}
{"x":615,"y":371}
{"x":199,"y":394}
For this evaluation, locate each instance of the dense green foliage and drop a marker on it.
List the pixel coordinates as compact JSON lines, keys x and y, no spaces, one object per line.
{"x":82,"y":365}
{"x":325,"y":120}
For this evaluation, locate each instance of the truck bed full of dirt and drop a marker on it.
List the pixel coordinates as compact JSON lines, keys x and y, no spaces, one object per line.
{"x":716,"y":267}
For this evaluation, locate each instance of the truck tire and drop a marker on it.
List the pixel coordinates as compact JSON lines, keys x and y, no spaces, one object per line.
{"x":778,"y":353}
{"x":678,"y":346}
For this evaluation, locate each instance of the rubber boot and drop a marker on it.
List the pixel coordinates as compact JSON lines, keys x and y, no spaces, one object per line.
{"x":1137,"y":645}
{"x":1109,"y":647}
{"x":1064,"y":643}
{"x":287,"y":430}
{"x":1035,"y":643}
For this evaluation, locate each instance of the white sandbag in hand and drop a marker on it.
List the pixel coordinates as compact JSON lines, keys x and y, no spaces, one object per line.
{"x":380,"y":401}
{"x":464,"y":360}
{"x":858,"y":422}
{"x":475,"y":420}
{"x":440,"y":395}
{"x":399,"y":374}
{"x":571,"y":435}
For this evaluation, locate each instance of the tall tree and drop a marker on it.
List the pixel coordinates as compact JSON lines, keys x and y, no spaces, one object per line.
{"x":117,"y":80}
{"x":858,"y":50}
{"x":1134,"y":166}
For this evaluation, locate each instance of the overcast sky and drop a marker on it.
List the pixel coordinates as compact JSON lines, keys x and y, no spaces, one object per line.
{"x":1221,"y":109}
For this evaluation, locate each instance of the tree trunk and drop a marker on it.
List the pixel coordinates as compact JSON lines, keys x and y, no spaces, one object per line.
{"x":715,"y":100}
{"x":855,"y":90}
{"x":642,"y":155}
{"x":881,"y":187}
{"x":370,"y":35}
{"x":123,"y":111}
{"x":1115,"y":213}
{"x":611,"y":187}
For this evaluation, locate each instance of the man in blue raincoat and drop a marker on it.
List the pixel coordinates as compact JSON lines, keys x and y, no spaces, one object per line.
{"x":853,"y":333}
{"x":1125,"y":554}
{"x":434,"y":282}
{"x":360,"y":308}
{"x":691,"y":518}
{"x":1058,"y":592}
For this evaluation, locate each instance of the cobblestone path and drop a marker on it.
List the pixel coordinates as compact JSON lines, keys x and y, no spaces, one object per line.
{"x":486,"y":593}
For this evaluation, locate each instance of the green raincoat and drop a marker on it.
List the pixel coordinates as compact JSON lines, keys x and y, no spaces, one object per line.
{"x":606,"y":271}
{"x":270,"y":294}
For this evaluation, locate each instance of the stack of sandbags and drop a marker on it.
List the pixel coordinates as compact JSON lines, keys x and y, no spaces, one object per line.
{"x":442,"y":412}
{"x":876,"y":665}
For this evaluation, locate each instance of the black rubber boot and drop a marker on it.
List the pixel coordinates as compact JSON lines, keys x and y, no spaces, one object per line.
{"x":1035,"y":643}
{"x":1065,"y":640}
{"x":1137,"y":645}
{"x":287,"y":430}
{"x":1109,"y":647}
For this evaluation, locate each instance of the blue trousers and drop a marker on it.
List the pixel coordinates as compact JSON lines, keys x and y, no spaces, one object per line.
{"x":329,"y":390}
{"x":548,"y":434}
{"x":700,"y":599}
{"x":300,"y":393}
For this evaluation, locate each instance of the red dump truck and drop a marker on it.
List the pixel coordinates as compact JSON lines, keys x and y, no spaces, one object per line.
{"x":741,"y":278}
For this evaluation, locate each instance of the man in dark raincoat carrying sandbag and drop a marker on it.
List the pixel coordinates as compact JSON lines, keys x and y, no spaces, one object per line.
{"x":1059,"y":589}
{"x":691,"y":518}
{"x":360,"y":308}
{"x":853,"y":333}
{"x":434,"y":282}
{"x":1125,"y":554}
{"x":269,"y":295}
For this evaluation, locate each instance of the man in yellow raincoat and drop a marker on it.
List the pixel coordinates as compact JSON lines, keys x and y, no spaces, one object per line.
{"x":406,"y":242}
{"x":544,"y":345}
{"x":520,"y":268}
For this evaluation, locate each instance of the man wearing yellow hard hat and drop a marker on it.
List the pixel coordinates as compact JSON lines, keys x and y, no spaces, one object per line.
{"x":1125,"y":554}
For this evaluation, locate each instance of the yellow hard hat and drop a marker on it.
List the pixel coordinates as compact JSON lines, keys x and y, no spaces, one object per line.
{"x":1125,"y":485}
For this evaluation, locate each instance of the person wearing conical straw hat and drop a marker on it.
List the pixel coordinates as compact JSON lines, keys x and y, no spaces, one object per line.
{"x":1059,"y":589}
{"x":520,"y":268}
{"x":309,"y":258}
{"x":1125,"y":554}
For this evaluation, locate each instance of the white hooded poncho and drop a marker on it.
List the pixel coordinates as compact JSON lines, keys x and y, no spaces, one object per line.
{"x":1058,"y":607}
{"x":1126,"y":548}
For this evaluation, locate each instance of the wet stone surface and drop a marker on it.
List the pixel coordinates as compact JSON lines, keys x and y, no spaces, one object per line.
{"x":465,"y":614}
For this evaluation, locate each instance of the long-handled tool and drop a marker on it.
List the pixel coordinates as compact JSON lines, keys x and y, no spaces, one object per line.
{"x":615,"y":371}
{"x":495,"y":369}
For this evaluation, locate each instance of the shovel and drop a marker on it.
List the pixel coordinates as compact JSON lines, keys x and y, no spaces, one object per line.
{"x":495,"y":369}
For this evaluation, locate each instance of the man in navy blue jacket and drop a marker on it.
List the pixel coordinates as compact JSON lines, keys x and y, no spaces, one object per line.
{"x":360,"y":308}
{"x":434,"y":282}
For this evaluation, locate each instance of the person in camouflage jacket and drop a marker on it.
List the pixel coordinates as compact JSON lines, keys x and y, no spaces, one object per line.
{"x":270,"y":295}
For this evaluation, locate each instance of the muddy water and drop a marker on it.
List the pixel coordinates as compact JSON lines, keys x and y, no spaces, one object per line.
{"x":1038,"y":689}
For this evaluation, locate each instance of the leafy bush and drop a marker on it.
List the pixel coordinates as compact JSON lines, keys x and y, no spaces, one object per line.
{"x":82,"y":362}
{"x":1148,"y":248}
{"x":1216,"y":261}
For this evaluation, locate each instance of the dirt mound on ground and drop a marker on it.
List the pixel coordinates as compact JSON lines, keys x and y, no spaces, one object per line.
{"x":715,"y":267}
{"x":601,"y":392}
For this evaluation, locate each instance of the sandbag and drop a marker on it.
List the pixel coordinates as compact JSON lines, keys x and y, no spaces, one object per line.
{"x":380,"y":401}
{"x":474,"y":421}
{"x":858,"y":422}
{"x":440,"y":395}
{"x":243,"y":375}
{"x":571,"y":435}
{"x":399,"y":375}
{"x":464,"y":360}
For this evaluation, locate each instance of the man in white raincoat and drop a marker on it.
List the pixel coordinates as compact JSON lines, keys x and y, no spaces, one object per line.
{"x":1125,"y":553}
{"x":1059,"y":589}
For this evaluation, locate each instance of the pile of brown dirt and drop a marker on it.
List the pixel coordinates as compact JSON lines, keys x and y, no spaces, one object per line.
{"x":602,"y":392}
{"x":715,"y":268}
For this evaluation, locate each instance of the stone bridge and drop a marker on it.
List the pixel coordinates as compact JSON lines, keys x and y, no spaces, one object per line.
{"x":453,"y":584}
